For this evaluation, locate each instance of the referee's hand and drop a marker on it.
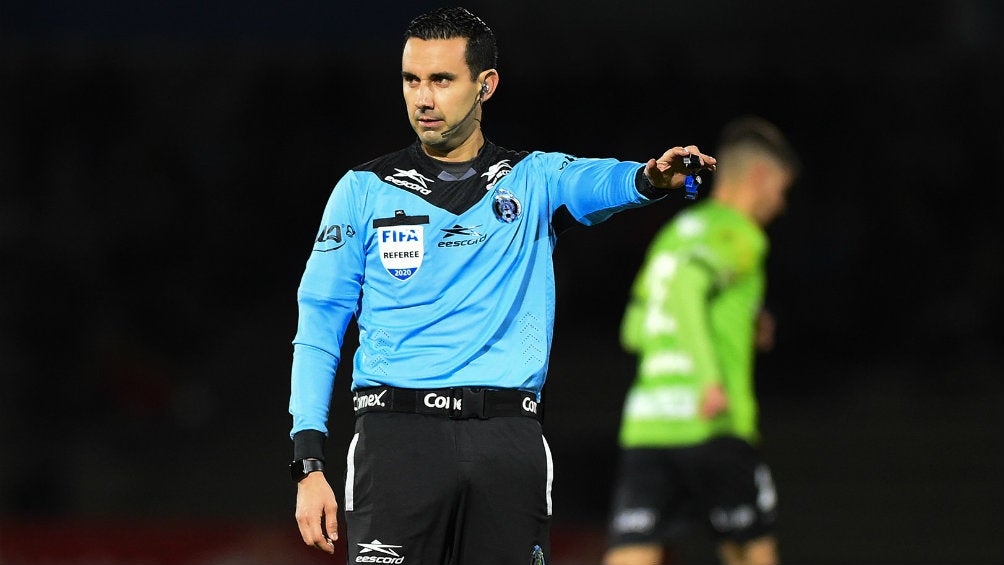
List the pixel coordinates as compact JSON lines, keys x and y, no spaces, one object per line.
{"x":669,"y":171}
{"x":317,"y":512}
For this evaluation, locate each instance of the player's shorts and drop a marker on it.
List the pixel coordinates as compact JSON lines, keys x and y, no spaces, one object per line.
{"x":723,"y":485}
{"x":429,"y":490}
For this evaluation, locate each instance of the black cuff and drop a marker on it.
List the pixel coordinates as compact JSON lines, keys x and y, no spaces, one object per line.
{"x":308,"y":444}
{"x":646,"y":188}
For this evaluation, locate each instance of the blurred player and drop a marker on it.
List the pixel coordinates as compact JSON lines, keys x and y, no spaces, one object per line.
{"x":689,"y":431}
{"x":442,"y":252}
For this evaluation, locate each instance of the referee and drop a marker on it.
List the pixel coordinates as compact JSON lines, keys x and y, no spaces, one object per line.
{"x":442,"y":252}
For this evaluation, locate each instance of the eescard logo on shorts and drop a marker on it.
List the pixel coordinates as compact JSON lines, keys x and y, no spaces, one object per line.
{"x":401,"y":243}
{"x":384,"y":553}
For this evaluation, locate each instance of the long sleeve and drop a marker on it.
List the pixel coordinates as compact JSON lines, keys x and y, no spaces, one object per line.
{"x":327,"y":298}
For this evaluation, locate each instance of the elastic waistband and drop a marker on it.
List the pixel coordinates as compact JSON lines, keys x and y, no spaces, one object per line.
{"x":458,"y":403}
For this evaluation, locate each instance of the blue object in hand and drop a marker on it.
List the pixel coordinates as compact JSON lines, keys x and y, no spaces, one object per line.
{"x":692,"y":182}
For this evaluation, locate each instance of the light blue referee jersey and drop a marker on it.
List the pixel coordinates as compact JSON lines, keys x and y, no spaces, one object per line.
{"x":450,"y":278}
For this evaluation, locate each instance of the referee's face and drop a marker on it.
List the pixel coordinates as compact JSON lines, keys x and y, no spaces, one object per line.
{"x":443,"y":101}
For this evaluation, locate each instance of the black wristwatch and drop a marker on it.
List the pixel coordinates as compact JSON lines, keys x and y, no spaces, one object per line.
{"x":302,"y":467}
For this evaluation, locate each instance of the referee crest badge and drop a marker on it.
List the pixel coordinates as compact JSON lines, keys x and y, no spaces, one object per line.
{"x":506,"y":206}
{"x":401,"y":249}
{"x":401,"y":243}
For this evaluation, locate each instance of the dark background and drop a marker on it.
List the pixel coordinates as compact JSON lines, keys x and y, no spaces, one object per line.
{"x":163,"y":167}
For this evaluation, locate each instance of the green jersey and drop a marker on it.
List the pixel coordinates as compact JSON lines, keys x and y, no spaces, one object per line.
{"x":691,"y":321}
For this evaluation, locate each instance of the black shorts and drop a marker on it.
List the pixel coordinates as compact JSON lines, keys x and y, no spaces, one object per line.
{"x":723,"y":485}
{"x":429,"y":490}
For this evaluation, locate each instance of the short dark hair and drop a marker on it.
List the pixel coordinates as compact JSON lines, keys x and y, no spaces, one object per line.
{"x":448,"y":23}
{"x":762,"y":135}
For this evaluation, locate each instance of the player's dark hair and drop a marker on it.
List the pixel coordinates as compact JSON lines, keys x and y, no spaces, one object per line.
{"x":448,"y":23}
{"x":764,"y":136}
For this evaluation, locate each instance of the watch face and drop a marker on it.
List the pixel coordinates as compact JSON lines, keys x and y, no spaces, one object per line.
{"x":303,"y":467}
{"x":297,"y":470}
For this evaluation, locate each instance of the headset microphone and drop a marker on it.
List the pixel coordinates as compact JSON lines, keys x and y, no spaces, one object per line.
{"x":484,"y":90}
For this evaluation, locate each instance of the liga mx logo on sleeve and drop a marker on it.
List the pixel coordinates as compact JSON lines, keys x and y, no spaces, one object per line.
{"x":401,"y":249}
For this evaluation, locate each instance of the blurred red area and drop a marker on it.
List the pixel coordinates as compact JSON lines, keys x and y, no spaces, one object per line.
{"x":210,"y":543}
{"x":141,"y":543}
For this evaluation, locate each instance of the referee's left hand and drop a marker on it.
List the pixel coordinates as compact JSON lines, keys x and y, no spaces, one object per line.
{"x":668,"y":171}
{"x":317,"y":512}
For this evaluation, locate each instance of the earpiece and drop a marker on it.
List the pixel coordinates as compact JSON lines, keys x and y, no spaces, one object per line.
{"x":484,"y":88}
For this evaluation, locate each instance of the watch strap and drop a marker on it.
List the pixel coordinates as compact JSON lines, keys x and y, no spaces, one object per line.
{"x":299,"y":469}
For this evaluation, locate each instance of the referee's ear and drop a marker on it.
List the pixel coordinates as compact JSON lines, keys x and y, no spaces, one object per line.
{"x":489,"y":84}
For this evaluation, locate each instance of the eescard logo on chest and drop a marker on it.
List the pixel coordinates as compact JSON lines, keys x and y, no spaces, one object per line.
{"x":411,"y":179}
{"x":496,"y":172}
{"x":401,"y":243}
